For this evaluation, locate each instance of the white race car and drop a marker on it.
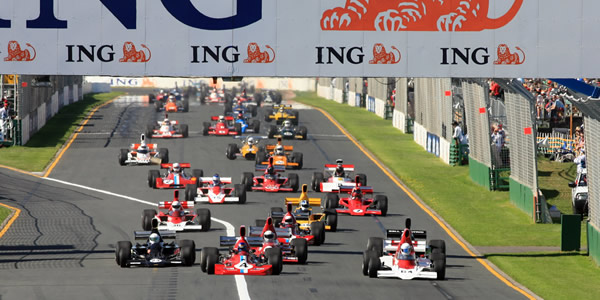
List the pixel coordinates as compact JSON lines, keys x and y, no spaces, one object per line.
{"x":205,"y":191}
{"x":328,"y":182}
{"x":143,"y":154}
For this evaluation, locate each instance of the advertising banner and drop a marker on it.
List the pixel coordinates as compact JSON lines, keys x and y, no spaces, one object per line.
{"x":370,"y":38}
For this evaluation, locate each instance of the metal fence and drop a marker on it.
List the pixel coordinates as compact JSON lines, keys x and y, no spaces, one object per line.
{"x":592,"y":148}
{"x":474,"y":96}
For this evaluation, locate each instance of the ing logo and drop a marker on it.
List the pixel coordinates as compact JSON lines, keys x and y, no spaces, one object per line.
{"x":415,"y":15}
{"x":507,"y":58}
{"x":130,"y":54}
{"x":15,"y":53}
{"x":257,"y":57}
{"x":381,"y":56}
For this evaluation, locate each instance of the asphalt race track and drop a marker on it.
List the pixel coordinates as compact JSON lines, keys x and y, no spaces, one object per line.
{"x":62,"y":245}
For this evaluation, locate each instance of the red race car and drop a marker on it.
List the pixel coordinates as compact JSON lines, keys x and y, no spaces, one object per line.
{"x":270,"y":181}
{"x":247,"y":256}
{"x":215,"y":96}
{"x":177,"y":218}
{"x":294,"y":250}
{"x":213,"y":190}
{"x":358,"y":203}
{"x":167,"y":129}
{"x":225,"y":125}
{"x":172,"y":105}
{"x":175,"y":178}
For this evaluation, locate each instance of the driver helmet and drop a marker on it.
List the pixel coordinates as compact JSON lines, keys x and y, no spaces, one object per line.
{"x":288,"y":221}
{"x":154,"y":238}
{"x":304,"y":205}
{"x":176,"y":167}
{"x":356,"y":193}
{"x":171,"y":98}
{"x":222,"y":119}
{"x":270,"y":170}
{"x":243,"y":248}
{"x":166,"y":121}
{"x":269,"y":236}
{"x":143,"y":149}
{"x":287,"y":123}
{"x":340,"y":163}
{"x":161,"y":91}
{"x":279,"y":150}
{"x":216,"y":179}
{"x":176,"y":205}
{"x":240,"y":116}
{"x":405,"y":249}
{"x":251,"y":141}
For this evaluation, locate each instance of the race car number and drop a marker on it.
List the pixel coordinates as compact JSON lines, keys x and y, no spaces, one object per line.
{"x":167,"y":181}
{"x":287,"y":133}
{"x":244,"y":266}
{"x":357,"y":210}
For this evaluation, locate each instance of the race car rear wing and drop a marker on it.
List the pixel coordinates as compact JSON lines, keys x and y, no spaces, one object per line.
{"x":276,"y":215}
{"x":256,"y":231}
{"x":397,"y":233}
{"x":253,"y":241}
{"x":332,"y":167}
{"x":276,"y":168}
{"x":394,"y":236}
{"x":225,"y":180}
{"x":167,"y":204}
{"x":150,"y":146}
{"x":216,"y":118}
{"x":182,"y":165}
{"x":164,"y":234}
{"x":296,"y":201}
{"x":271,"y":148}
{"x":285,"y":106}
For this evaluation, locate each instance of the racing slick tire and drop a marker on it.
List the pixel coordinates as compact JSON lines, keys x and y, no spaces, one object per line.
{"x":375,"y":244}
{"x":191,"y":192}
{"x":184,"y":130}
{"x":274,"y":258}
{"x":439,"y":265}
{"x":331,"y":219}
{"x":261,"y":156}
{"x":231,"y":151}
{"x":256,"y":126}
{"x":147,"y":217}
{"x":268,"y":113}
{"x":260,"y":223}
{"x":152,"y":175}
{"x":123,"y":156}
{"x":238,"y":128}
{"x":374,"y":265}
{"x":151,"y":98}
{"x":332,"y":201}
{"x":205,"y":128}
{"x":163,"y":154}
{"x":186,"y":106}
{"x":303,"y":132}
{"x":362,"y":179}
{"x":197,"y":173}
{"x":317,"y":229}
{"x":298,"y":157}
{"x":248,"y":180}
{"x":295,"y":120}
{"x":367,"y":254}
{"x":121,"y":244}
{"x":381,"y":202}
{"x":294,"y":183}
{"x":254,"y":110}
{"x":240,"y":192}
{"x":211,"y":261}
{"x":438,"y":244}
{"x":188,"y":252}
{"x":316,"y":180}
{"x":206,"y":252}
{"x":300,"y":250}
{"x":272,"y":131}
{"x":204,"y":218}
{"x":149,"y":130}
{"x":124,"y":254}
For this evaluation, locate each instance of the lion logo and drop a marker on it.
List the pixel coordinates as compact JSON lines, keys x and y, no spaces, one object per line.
{"x":256,"y":56}
{"x":381,"y":56}
{"x":415,"y":15}
{"x":130,"y":54}
{"x":507,"y":58}
{"x":15,"y":53}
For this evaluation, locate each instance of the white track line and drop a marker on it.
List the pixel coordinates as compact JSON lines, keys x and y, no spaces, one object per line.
{"x":240,"y":281}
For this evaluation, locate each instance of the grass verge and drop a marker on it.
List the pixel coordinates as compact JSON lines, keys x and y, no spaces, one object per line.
{"x":475,"y":212}
{"x":4,"y":212}
{"x":43,"y":145}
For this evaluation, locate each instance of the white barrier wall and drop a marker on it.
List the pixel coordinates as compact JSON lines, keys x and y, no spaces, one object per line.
{"x":41,"y":115}
{"x":76,"y":97}
{"x":54,"y":103}
{"x":25,"y":129}
{"x":445,"y":151}
{"x":380,"y":107}
{"x":324,"y":91}
{"x":420,"y":135}
{"x":352,"y":98}
{"x":338,"y":95}
{"x":399,"y":120}
{"x":65,"y":96}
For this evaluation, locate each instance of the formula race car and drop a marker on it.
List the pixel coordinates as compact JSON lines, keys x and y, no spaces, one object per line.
{"x":247,"y":125}
{"x":282,"y":156}
{"x":215,"y":96}
{"x":224,"y":126}
{"x":143,"y":154}
{"x":271,"y":98}
{"x":294,"y":249}
{"x":280,"y":113}
{"x":405,"y":254}
{"x":209,"y":190}
{"x":177,"y":218}
{"x":249,"y":109}
{"x":287,"y":131}
{"x":154,"y":251}
{"x":337,"y":178}
{"x":247,"y":256}
{"x":172,"y":105}
{"x":175,"y":178}
{"x":167,"y":129}
{"x":304,"y":212}
{"x":358,"y":203}
{"x":270,"y":181}
{"x":248,"y":150}
{"x":287,"y":227}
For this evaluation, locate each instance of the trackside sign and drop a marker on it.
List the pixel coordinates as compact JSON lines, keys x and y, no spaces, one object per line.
{"x":374,"y":38}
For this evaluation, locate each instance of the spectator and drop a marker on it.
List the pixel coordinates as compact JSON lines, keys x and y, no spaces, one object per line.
{"x":498,"y":136}
{"x":580,"y":161}
{"x":458,"y":136}
{"x":540,"y":103}
{"x":495,"y":90}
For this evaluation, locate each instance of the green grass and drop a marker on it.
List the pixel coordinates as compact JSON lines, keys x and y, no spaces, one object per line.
{"x":553,"y":180}
{"x":42,"y":146}
{"x":552,"y":275}
{"x":4,"y":212}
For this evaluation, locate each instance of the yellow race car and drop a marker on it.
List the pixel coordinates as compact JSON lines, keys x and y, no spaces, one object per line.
{"x":280,"y":113}
{"x":248,"y":150}
{"x":304,"y":211}
{"x":282,"y":156}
